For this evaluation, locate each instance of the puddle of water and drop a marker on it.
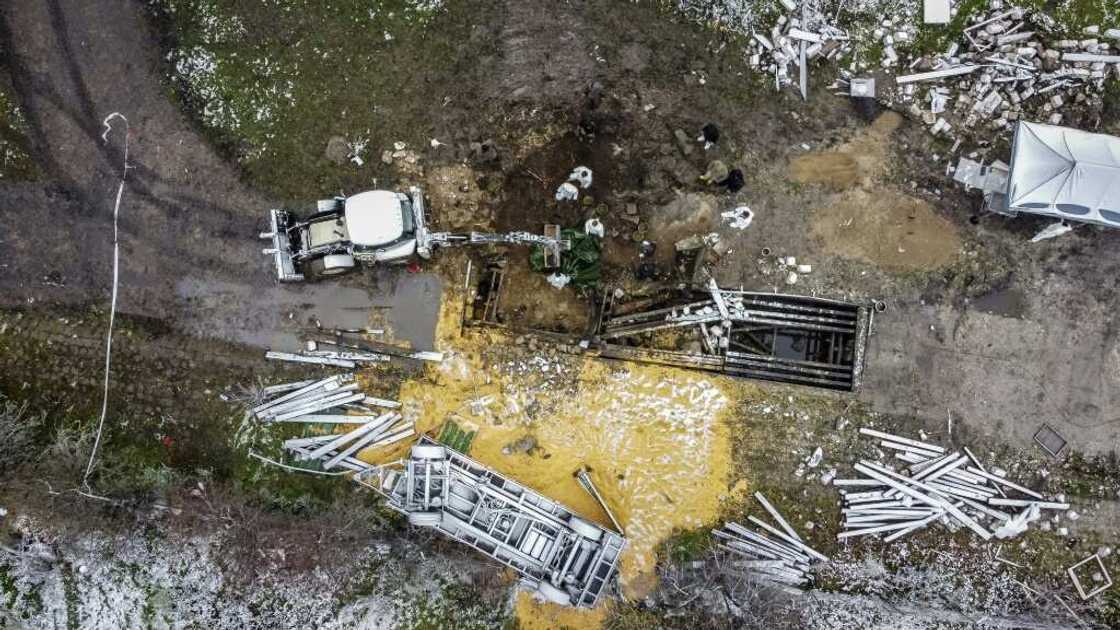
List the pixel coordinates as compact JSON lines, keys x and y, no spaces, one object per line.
{"x":275,"y":316}
{"x":413,"y":306}
{"x":1004,"y":302}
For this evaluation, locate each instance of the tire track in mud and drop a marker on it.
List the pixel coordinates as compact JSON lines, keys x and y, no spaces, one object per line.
{"x":186,"y":216}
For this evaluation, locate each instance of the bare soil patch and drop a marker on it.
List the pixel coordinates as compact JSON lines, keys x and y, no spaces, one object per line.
{"x":887,"y":228}
{"x":856,"y":163}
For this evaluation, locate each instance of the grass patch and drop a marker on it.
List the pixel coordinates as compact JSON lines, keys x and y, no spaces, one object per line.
{"x":685,"y":546}
{"x":272,"y":83}
{"x":455,"y":606}
{"x":15,"y":157}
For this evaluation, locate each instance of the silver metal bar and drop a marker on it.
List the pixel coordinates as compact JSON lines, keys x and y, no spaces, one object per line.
{"x":299,"y":392}
{"x":299,"y":358}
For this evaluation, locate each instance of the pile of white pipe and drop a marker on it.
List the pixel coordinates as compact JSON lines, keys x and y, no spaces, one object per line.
{"x":321,"y":402}
{"x":934,"y":486}
{"x":771,"y":553}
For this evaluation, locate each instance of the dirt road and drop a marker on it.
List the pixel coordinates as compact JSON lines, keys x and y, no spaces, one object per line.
{"x":188,"y":252}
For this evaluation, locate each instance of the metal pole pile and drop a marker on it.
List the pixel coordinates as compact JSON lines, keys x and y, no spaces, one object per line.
{"x":772,"y":553}
{"x":328,"y":402}
{"x":340,"y":449}
{"x":935,"y":486}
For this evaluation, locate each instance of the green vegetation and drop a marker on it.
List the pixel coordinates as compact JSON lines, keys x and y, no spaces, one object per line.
{"x":25,"y":601}
{"x":15,"y":158}
{"x":455,"y":437}
{"x":581,"y":263}
{"x":273,"y":82}
{"x":456,"y":606}
{"x":685,"y":546}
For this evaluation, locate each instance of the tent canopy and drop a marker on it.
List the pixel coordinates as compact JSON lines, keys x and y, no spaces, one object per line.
{"x":1065,"y":173}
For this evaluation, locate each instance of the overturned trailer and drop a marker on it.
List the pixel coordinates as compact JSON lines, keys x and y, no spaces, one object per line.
{"x":562,"y":557}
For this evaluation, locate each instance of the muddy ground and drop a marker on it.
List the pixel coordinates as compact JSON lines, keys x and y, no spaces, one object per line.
{"x":1001,"y":334}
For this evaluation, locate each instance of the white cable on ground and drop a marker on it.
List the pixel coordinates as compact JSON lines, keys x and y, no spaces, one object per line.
{"x":113,"y":303}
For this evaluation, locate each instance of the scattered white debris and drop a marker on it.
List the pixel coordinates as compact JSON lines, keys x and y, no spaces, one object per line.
{"x":1001,"y":71}
{"x":559,"y":280}
{"x":1052,"y":231}
{"x":815,"y":458}
{"x":1018,"y":524}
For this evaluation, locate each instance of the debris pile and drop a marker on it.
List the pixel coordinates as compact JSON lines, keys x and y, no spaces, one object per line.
{"x":298,"y":401}
{"x":782,"y":556}
{"x":771,"y":336}
{"x":1005,"y":71}
{"x":802,"y":34}
{"x":332,"y":401}
{"x":341,"y":449}
{"x":952,"y":488}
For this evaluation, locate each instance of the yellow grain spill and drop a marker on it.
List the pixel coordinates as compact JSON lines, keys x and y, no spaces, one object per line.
{"x":536,"y":615}
{"x":653,"y":438}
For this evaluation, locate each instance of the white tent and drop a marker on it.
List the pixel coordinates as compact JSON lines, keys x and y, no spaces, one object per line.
{"x":1065,"y":173}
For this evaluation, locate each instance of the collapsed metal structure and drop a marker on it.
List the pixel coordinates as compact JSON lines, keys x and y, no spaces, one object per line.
{"x":565,"y":559}
{"x":791,"y":339}
{"x":788,"y":338}
{"x":794,"y":339}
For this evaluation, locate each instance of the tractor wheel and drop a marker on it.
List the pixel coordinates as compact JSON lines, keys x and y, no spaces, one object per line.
{"x":328,"y":266}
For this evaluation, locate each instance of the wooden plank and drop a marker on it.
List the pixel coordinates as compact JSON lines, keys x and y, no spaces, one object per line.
{"x":856,"y":482}
{"x":916,"y":526}
{"x":1090,"y":58}
{"x":873,"y":530}
{"x":299,"y":358}
{"x":976,"y":461}
{"x":326,"y":403}
{"x":383,"y":423}
{"x":909,"y":449}
{"x":343,"y":439}
{"x":296,"y":394}
{"x":329,"y":419}
{"x":792,"y":541}
{"x":777,"y":547}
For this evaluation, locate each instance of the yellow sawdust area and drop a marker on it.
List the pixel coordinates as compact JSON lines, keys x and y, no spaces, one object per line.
{"x":654,"y":439}
{"x":867,"y":221}
{"x":536,"y":615}
{"x":892,"y":230}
